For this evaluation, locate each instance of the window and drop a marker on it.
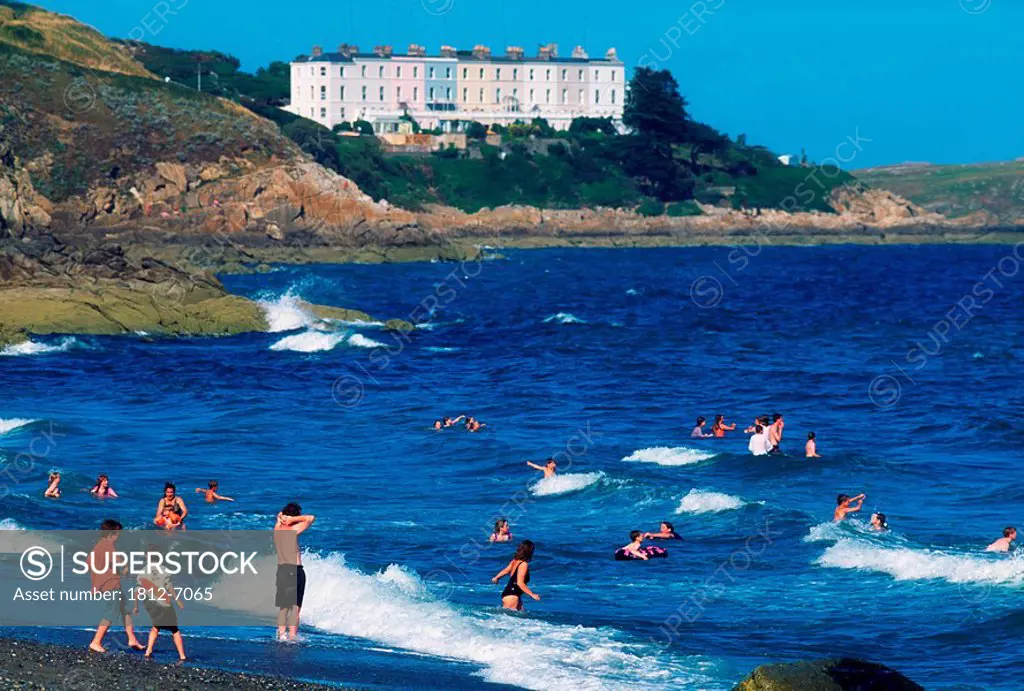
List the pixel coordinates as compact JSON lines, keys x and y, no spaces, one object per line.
{"x":597,"y":75}
{"x":398,"y":71}
{"x":581,"y":100}
{"x":515,"y":94}
{"x":343,"y":112}
{"x":515,"y":74}
{"x":310,"y":74}
{"x":431,"y":73}
{"x":481,"y":73}
{"x":565,"y":96}
{"x":465,"y":73}
{"x":447,"y":72}
{"x":481,"y":95}
{"x":613,"y":75}
{"x":497,"y":72}
{"x":380,"y":71}
{"x":323,"y":93}
{"x":531,"y":75}
{"x":597,"y":95}
{"x":415,"y":93}
{"x":430,"y":95}
{"x":323,"y":112}
{"x":310,"y":92}
{"x":531,"y":96}
{"x":497,"y":95}
{"x":398,"y":93}
{"x":415,"y":72}
{"x":465,"y":95}
{"x":613,"y":96}
{"x":323,"y":71}
{"x":547,"y":75}
{"x":364,"y":93}
{"x":382,"y":93}
{"x":547,"y":96}
{"x":310,"y":112}
{"x":581,"y":75}
{"x":565,"y":74}
{"x":448,"y":94}
{"x":341,"y":71}
{"x":362,"y":71}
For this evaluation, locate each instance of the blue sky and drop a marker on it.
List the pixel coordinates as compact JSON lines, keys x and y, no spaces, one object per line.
{"x":923,"y":80}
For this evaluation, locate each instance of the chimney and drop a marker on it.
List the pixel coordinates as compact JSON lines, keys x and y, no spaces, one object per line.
{"x":448,"y":52}
{"x":612,"y":55}
{"x":481,"y":52}
{"x":317,"y":51}
{"x":553,"y":50}
{"x":579,"y":53}
{"x":416,"y":50}
{"x":514,"y":53}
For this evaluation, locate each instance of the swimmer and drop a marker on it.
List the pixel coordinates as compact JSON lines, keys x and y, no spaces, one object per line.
{"x":775,"y":432}
{"x":102,"y":487}
{"x":811,"y":447}
{"x":719,"y":428}
{"x":548,"y":468}
{"x":211,"y":493}
{"x":698,"y":431}
{"x":666,"y":532}
{"x":172,"y":500}
{"x":448,"y":422}
{"x":53,"y":489}
{"x":518,"y":571}
{"x":759,"y":444}
{"x":168,"y":519}
{"x":845,"y":505}
{"x":1004,"y":543}
{"x":474,"y":425}
{"x":636,"y":540}
{"x":502,"y":533}
{"x":759,"y":420}
{"x":879,"y":522}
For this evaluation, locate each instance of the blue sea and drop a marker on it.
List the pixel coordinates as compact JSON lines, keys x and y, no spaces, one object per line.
{"x":905,"y":361}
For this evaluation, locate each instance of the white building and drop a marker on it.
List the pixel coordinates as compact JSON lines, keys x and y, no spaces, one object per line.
{"x":455,"y":86}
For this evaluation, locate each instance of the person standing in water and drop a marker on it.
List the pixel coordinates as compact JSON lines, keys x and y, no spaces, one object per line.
{"x":211,"y":492}
{"x":548,"y":468}
{"x":518,"y":571}
{"x":847,"y":505}
{"x":1004,"y":543}
{"x":719,"y":428}
{"x":698,"y":431}
{"x":102,"y":488}
{"x":53,"y":488}
{"x":879,"y":522}
{"x":775,"y":433}
{"x":502,"y":533}
{"x":666,"y":532}
{"x":174,"y":502}
{"x":759,"y":444}
{"x":811,"y":447}
{"x":291,"y":577}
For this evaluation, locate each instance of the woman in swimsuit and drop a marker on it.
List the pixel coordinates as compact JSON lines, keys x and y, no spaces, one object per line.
{"x":501,"y":533}
{"x":667,"y":532}
{"x":102,"y":487}
{"x":519,"y":576}
{"x":172,"y":501}
{"x":53,"y":489}
{"x":719,"y":428}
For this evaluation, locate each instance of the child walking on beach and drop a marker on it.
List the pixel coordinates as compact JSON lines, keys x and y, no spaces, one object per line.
{"x":159,"y":596}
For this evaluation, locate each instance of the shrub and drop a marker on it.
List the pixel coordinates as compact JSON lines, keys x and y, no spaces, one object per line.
{"x":687,"y":208}
{"x":651,"y":207}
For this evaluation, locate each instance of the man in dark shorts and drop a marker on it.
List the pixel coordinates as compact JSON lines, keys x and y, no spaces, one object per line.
{"x":291,"y":578}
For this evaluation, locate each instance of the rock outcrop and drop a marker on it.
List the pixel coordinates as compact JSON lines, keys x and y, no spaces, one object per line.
{"x":844,"y":674}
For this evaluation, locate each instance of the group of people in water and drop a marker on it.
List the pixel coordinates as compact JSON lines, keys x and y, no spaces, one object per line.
{"x":765,"y":435}
{"x":471,"y":424}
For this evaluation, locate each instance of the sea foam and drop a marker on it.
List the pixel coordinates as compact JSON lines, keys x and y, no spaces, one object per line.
{"x":398,"y":609}
{"x":311,"y":341}
{"x":664,"y":455}
{"x":564,"y":318}
{"x":286,"y":313}
{"x":13,"y":424}
{"x":36,"y":348}
{"x":704,"y":501}
{"x":564,"y":484}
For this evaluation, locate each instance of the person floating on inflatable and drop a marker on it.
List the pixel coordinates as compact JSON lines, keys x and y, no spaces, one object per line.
{"x":636,"y":550}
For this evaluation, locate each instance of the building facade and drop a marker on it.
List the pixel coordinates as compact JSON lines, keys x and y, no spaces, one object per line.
{"x":455,"y":86}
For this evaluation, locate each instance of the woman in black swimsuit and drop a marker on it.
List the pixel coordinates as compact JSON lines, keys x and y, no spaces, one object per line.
{"x":518,"y":571}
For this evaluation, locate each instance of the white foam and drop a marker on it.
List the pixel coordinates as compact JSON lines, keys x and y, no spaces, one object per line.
{"x":396,"y":608}
{"x":704,"y":501}
{"x":442,"y":349}
{"x":564,"y":318}
{"x":286,"y":313}
{"x":12,"y":424}
{"x":665,"y":455}
{"x":564,"y":484}
{"x":361,"y":341}
{"x":10,"y":524}
{"x":310,"y":341}
{"x":35,"y":348}
{"x":907,"y":564}
{"x":632,"y":291}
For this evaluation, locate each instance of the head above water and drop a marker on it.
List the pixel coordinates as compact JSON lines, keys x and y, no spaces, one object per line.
{"x":758,"y":429}
{"x":524,"y":552}
{"x":810,"y":435}
{"x":719,"y":418}
{"x":842,"y":499}
{"x":666,"y":527}
{"x":1010,"y":532}
{"x":501,"y":523}
{"x":551,"y":463}
{"x":110,"y":526}
{"x":102,"y":481}
{"x":170,"y":490}
{"x":776,"y":417}
{"x":880,"y":521}
{"x":634,"y":535}
{"x":292,"y":509}
{"x":701,"y":421}
{"x":213,"y":484}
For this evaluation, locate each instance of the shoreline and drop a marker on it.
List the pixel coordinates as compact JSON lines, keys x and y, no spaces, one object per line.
{"x":50,"y":665}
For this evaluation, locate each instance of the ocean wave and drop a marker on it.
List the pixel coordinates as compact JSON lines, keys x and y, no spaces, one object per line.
{"x":704,"y":501}
{"x":665,"y":455}
{"x":10,"y":524}
{"x":311,"y":341}
{"x":442,"y":349}
{"x":361,"y":341}
{"x":37,"y":348}
{"x":13,"y":424}
{"x":564,"y":484}
{"x":909,"y":564}
{"x":564,"y":318}
{"x":286,"y":313}
{"x":400,"y":609}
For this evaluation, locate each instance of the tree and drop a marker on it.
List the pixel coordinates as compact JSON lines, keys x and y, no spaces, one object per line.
{"x":592,"y":126}
{"x":654,"y":107}
{"x":363,"y":127}
{"x":475,"y":130}
{"x":703,"y":139}
{"x":408,"y":118}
